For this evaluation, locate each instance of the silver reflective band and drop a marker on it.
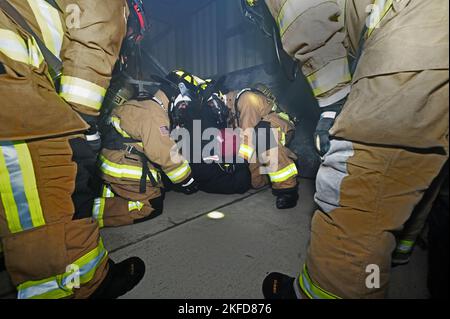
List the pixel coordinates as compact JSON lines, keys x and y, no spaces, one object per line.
{"x":93,"y":137}
{"x":189,"y":183}
{"x":336,"y":97}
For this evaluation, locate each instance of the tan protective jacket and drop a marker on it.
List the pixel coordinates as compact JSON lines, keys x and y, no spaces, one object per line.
{"x":322,"y":45}
{"x":254,"y":108}
{"x":27,"y":89}
{"x":147,"y":122}
{"x":90,"y":57}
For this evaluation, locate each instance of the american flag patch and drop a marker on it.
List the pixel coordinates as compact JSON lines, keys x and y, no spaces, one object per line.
{"x":164,"y":131}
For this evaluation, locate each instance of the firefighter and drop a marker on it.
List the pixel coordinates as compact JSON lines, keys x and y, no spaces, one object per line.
{"x":138,"y":154}
{"x":265,"y":132}
{"x":255,"y":112}
{"x":383,"y":133}
{"x":214,"y":166}
{"x":52,"y":250}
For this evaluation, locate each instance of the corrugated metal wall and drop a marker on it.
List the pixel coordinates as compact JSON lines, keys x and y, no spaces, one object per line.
{"x":194,"y":43}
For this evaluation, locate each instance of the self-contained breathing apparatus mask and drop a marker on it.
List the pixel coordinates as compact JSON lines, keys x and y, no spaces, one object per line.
{"x":257,"y":12}
{"x":214,"y":110}
{"x":185,"y":102}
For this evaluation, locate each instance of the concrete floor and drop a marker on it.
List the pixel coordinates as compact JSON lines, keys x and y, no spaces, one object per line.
{"x":189,"y":255}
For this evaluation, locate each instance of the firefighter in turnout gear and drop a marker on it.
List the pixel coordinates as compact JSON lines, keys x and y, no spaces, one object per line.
{"x":215,"y":171}
{"x":265,"y":132}
{"x":382,"y":114}
{"x":47,"y":235}
{"x":138,"y":154}
{"x":265,"y":136}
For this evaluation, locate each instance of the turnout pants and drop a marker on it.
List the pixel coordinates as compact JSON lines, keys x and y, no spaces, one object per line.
{"x":274,"y":164}
{"x":389,"y":142}
{"x":366,"y":194}
{"x":49,"y":253}
{"x":122,"y":205}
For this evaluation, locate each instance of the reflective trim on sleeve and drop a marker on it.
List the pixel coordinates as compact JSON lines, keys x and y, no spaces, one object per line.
{"x":284,"y":174}
{"x":246,"y":151}
{"x":405,"y":246}
{"x":15,"y":48}
{"x":50,"y":24}
{"x":180,"y":173}
{"x":379,"y":11}
{"x":115,"y":121}
{"x":18,"y":189}
{"x":123,"y":171}
{"x":79,"y":91}
{"x":334,"y":98}
{"x":312,"y":290}
{"x":291,"y":11}
{"x":98,"y":211}
{"x":330,"y":76}
{"x":60,"y":286}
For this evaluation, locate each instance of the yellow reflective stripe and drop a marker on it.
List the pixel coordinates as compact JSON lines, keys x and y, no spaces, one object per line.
{"x":13,"y":46}
{"x":29,"y":184}
{"x":89,"y":263}
{"x":283,"y":137}
{"x":180,"y":173}
{"x":330,"y":76}
{"x":107,"y":192}
{"x":311,"y":289}
{"x":35,"y":56}
{"x":50,"y":24}
{"x":284,"y":174}
{"x":246,"y":151}
{"x":50,"y":288}
{"x":82,"y":92}
{"x":380,"y":10}
{"x":58,"y":286}
{"x":8,"y":201}
{"x":115,"y":121}
{"x":291,"y":11}
{"x":284,"y":116}
{"x":135,"y":206}
{"x":98,"y":211}
{"x":123,"y":171}
{"x":18,"y":188}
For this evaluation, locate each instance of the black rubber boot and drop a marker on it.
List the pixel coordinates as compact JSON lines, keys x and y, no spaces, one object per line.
{"x":286,"y":199}
{"x":279,"y":286}
{"x":121,"y":278}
